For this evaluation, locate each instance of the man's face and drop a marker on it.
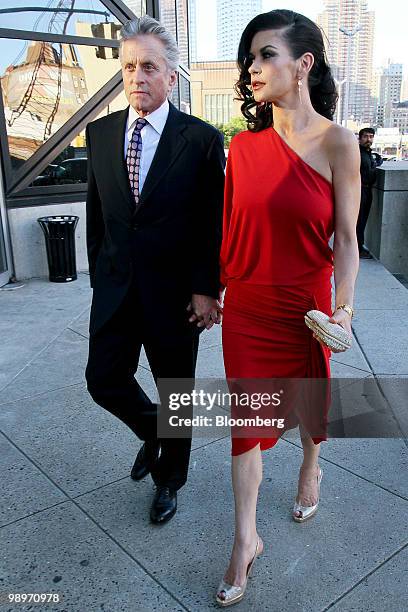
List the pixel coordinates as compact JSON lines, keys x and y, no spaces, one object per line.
{"x":366,"y":140}
{"x":146,"y":76}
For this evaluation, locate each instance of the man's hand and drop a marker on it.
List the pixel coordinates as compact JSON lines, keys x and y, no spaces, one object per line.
{"x":205,"y":310}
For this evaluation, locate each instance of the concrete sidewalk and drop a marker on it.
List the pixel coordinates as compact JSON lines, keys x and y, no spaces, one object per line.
{"x":74,"y":523}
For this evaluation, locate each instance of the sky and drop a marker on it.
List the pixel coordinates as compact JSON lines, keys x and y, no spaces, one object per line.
{"x":390,"y":29}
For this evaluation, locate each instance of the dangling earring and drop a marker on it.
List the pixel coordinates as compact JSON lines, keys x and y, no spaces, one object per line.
{"x":300,"y":85}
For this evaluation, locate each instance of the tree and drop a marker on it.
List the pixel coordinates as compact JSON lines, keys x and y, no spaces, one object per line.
{"x":234,"y":126}
{"x":230,"y":129}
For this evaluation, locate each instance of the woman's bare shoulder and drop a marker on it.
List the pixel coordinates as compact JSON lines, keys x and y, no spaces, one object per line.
{"x":339,"y":138}
{"x":342,"y":151}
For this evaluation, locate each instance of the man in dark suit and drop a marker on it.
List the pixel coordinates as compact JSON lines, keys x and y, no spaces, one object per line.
{"x":154,"y":216}
{"x":368,"y":170}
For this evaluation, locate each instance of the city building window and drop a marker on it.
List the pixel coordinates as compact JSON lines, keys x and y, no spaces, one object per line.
{"x":218,"y":108}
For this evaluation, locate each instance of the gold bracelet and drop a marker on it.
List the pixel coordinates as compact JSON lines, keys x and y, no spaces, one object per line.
{"x":347,"y":308}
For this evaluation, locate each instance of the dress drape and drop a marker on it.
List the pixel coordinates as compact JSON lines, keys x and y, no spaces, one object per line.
{"x":276,"y":264}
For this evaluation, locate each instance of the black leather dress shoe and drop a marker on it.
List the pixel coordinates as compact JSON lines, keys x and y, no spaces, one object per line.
{"x":364,"y":254}
{"x":164,"y":505}
{"x":145,"y":460}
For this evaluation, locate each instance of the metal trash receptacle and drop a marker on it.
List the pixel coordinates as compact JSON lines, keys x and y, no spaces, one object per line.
{"x":59,"y":232}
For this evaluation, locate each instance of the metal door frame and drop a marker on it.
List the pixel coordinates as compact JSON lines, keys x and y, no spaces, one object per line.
{"x":4,"y":236}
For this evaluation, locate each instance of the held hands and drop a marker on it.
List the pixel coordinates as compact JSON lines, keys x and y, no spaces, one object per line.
{"x":341,"y":317}
{"x":205,"y":310}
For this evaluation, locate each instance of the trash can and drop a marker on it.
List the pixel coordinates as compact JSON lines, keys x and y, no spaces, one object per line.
{"x":59,"y":235}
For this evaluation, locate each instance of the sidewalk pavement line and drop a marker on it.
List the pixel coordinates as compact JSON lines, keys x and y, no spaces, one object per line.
{"x":299,"y":446}
{"x":90,"y":517}
{"x":26,"y":397}
{"x":42,"y":350}
{"x":350,"y":366}
{"x":74,"y":331}
{"x":391,"y":556}
{"x":207,"y":348}
{"x":27,"y":516}
{"x":362,"y":350}
{"x":379,"y":387}
{"x":209,"y":443}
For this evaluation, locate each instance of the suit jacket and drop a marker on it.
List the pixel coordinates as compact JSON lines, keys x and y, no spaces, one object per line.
{"x":368,"y":167}
{"x":169,"y":245}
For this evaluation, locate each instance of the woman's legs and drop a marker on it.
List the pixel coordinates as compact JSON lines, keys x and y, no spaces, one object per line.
{"x":308,"y":491}
{"x":246,"y":478}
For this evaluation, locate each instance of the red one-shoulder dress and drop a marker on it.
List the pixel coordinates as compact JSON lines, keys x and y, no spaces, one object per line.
{"x":276,"y":264}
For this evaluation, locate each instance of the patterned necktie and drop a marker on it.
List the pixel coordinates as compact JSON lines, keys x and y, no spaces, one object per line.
{"x":133,"y":156}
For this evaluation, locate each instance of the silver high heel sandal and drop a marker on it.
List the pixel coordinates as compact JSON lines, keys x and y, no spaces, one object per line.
{"x":232,"y":593}
{"x":306,"y":512}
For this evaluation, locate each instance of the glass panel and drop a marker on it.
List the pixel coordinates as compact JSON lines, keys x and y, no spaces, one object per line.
{"x":3,"y":260}
{"x":207,"y":111}
{"x":185,"y":99}
{"x":137,"y":6}
{"x":174,"y":96}
{"x":45,"y":85}
{"x":70,"y":166}
{"x":57,"y":16}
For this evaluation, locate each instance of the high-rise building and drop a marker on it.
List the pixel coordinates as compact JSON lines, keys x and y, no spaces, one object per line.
{"x":399,"y":116}
{"x":232,"y":18}
{"x":389,"y":81}
{"x":356,"y":63}
{"x":173,"y":15}
{"x":404,"y":89}
{"x":192,"y":22}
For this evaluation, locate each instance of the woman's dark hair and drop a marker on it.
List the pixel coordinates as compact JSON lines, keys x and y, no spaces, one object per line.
{"x":301,"y":35}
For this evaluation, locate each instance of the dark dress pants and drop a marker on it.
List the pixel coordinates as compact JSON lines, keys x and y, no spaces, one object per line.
{"x":171,"y":345}
{"x":365,"y":207}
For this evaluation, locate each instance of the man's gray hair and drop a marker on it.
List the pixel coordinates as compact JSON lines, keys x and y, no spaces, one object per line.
{"x":148,"y":25}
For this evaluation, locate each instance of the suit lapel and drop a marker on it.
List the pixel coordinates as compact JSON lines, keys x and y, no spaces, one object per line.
{"x":170,"y":146}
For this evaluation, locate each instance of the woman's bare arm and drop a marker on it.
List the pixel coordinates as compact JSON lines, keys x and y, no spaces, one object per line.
{"x":344,"y":158}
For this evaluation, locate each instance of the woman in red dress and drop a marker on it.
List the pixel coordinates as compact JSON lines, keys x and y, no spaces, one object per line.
{"x":292,"y":181}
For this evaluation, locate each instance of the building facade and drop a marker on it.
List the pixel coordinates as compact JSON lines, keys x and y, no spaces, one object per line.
{"x":404,"y":89}
{"x":232,"y":17}
{"x":212,"y":91}
{"x":399,"y":116}
{"x":389,"y":82}
{"x":59,"y":70}
{"x":351,"y":57}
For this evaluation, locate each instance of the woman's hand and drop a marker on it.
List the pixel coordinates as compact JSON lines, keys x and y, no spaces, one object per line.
{"x":340,"y":317}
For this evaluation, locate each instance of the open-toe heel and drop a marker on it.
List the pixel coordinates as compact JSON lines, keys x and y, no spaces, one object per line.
{"x":232,"y":593}
{"x":306,"y":512}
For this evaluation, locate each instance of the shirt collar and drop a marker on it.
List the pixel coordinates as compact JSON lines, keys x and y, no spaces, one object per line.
{"x":157,"y":119}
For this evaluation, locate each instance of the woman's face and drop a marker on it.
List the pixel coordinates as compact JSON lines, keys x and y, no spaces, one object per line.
{"x":272,"y":69}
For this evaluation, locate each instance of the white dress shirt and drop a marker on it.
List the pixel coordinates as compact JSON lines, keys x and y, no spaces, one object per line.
{"x":150,"y":134}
